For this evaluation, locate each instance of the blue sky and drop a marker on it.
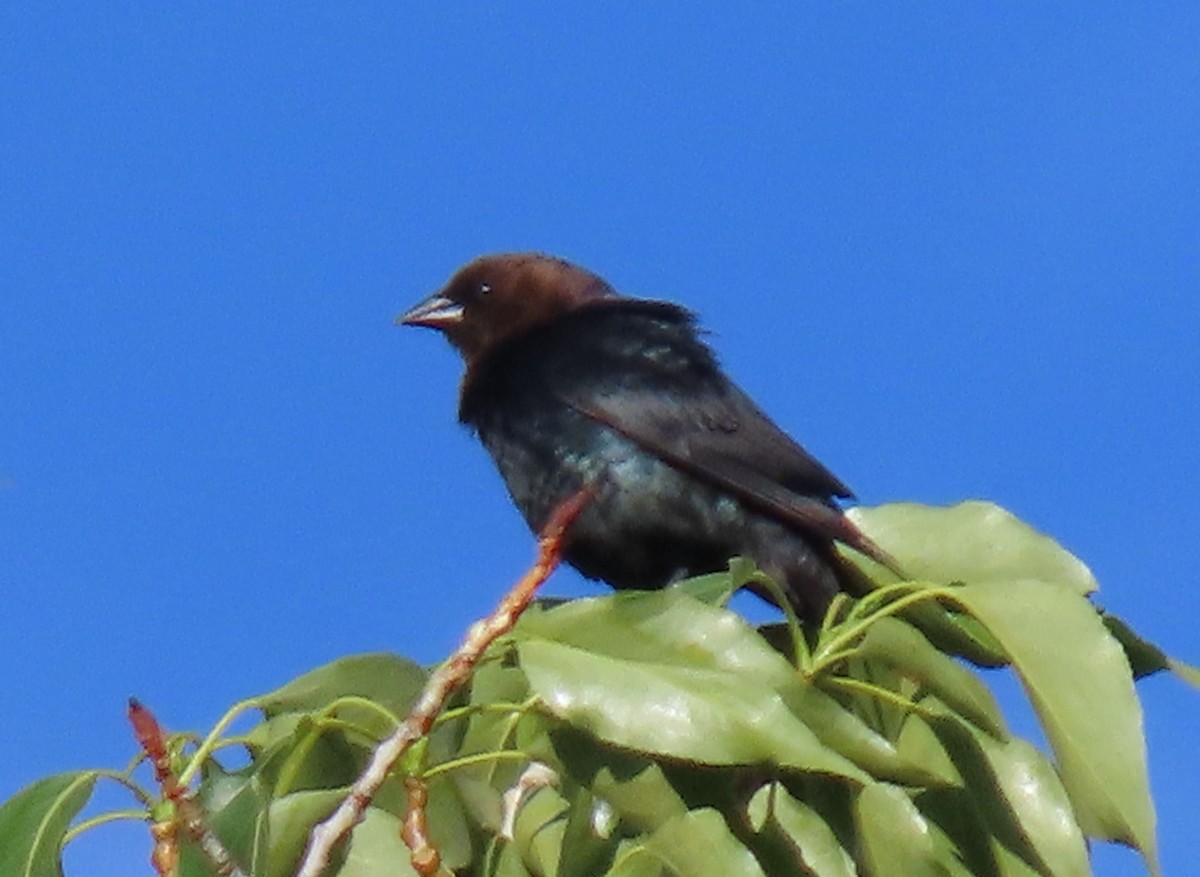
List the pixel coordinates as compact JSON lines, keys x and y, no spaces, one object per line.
{"x":954,"y":250}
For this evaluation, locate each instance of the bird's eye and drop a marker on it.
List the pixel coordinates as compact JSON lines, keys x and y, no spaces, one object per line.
{"x":485,"y":288}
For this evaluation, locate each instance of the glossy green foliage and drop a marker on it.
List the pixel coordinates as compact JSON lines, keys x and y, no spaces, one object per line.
{"x":659,"y":733}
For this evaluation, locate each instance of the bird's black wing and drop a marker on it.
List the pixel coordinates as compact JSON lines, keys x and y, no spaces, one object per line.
{"x":639,"y":369}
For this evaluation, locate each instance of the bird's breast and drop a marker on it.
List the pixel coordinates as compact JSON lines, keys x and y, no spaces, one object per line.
{"x":648,"y":520}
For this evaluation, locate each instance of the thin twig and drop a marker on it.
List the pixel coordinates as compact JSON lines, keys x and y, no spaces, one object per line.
{"x":442,"y":683}
{"x":189,"y":816}
{"x":426,"y":860}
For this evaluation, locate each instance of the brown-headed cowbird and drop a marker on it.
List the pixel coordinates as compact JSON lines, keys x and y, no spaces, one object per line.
{"x":568,"y":382}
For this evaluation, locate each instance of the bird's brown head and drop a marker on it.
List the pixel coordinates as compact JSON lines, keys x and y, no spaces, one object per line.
{"x":498,"y":297}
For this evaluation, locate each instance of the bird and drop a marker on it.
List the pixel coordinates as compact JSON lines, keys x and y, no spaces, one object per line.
{"x":568,"y":383}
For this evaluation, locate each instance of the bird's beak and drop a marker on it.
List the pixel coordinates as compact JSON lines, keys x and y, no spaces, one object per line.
{"x":436,"y":312}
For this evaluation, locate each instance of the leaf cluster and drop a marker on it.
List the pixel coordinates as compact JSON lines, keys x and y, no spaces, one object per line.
{"x":650,"y":733}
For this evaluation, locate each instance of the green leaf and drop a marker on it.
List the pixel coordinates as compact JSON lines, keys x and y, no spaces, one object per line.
{"x":715,"y":684}
{"x":236,"y":804}
{"x":505,"y":861}
{"x":495,"y":683}
{"x":1032,"y":815}
{"x":918,"y":742}
{"x":538,"y":831}
{"x":700,"y":715}
{"x":962,"y":839}
{"x":588,"y":842}
{"x":956,"y":633}
{"x":34,"y":822}
{"x":487,"y":730}
{"x":632,"y":784}
{"x":974,"y":542}
{"x":1144,"y":657}
{"x":310,"y":758}
{"x":903,"y":648}
{"x":716,"y":588}
{"x":896,"y":840}
{"x":697,"y":843}
{"x":376,"y":848}
{"x":268,"y":734}
{"x":449,"y":828}
{"x":1007,"y":813}
{"x":289,"y":821}
{"x":1080,"y":684}
{"x":384,"y":678}
{"x":632,"y":860}
{"x":660,"y":627}
{"x":279,"y":842}
{"x":847,"y":734}
{"x":667,"y":635}
{"x":796,"y":836}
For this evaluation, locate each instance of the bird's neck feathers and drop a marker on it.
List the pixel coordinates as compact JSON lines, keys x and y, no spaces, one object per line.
{"x":627,"y":328}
